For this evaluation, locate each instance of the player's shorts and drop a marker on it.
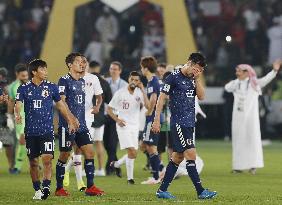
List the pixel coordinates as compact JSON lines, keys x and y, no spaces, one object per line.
{"x":7,"y":137}
{"x":40,"y":144}
{"x":128,"y":137}
{"x":182,"y":137}
{"x":96,"y":133}
{"x":165,"y":140}
{"x":67,"y":140}
{"x":149,"y":137}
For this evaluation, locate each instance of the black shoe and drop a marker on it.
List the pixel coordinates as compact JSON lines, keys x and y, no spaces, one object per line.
{"x":82,"y":189}
{"x":117,"y":170}
{"x":46,"y":193}
{"x":236,"y":171}
{"x":130,"y":182}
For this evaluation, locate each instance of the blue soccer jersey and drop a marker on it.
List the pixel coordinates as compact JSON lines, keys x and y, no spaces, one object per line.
{"x":1,"y":91}
{"x":153,"y":86}
{"x":182,"y":91}
{"x":38,"y":106}
{"x":75,"y":99}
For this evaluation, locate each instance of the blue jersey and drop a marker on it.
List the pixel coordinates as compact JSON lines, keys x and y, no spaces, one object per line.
{"x":182,"y":91}
{"x":153,"y":86}
{"x":1,"y":91}
{"x":75,"y":99}
{"x":38,"y":106}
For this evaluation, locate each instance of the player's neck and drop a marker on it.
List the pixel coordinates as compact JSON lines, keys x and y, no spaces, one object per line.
{"x":36,"y":81}
{"x":149,"y":76}
{"x":115,"y":78}
{"x":75,"y":75}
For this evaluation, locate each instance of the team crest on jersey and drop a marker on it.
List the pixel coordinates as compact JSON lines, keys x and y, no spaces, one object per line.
{"x":89,"y":84}
{"x":61,"y":89}
{"x":45,"y":93}
{"x":137,"y":99}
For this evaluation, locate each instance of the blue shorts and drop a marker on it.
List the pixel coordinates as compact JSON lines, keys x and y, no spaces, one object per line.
{"x":182,"y":138}
{"x":67,"y":140}
{"x":38,"y":145}
{"x":149,"y":137}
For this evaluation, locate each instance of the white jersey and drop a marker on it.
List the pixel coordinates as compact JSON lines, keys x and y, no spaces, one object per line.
{"x":92,"y":87}
{"x":128,"y":105}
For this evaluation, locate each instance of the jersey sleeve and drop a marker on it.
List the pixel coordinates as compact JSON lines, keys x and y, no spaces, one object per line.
{"x":55,"y":93}
{"x":114,"y":101}
{"x":62,"y":86}
{"x":20,"y":94}
{"x":1,"y":91}
{"x":97,"y":86}
{"x":156,"y":87}
{"x":168,"y":84}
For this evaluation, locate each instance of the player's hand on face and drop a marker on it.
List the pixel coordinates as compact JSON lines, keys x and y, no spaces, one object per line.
{"x":18,"y":119}
{"x":95,"y":110}
{"x":156,"y":126}
{"x":277,"y":64}
{"x":121,"y":122}
{"x":140,"y":85}
{"x":197,"y":72}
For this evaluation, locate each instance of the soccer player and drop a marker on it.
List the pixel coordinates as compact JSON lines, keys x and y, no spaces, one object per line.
{"x":128,"y":102}
{"x":72,"y":91}
{"x":38,"y":96}
{"x":148,"y":69}
{"x":92,"y":87}
{"x":21,"y":77}
{"x":182,"y":86}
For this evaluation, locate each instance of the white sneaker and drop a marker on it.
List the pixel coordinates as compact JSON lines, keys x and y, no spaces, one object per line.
{"x":100,"y":173}
{"x":37,"y":196}
{"x":151,"y":180}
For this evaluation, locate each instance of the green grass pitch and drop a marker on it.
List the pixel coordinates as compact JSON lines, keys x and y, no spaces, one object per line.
{"x":263,"y":188}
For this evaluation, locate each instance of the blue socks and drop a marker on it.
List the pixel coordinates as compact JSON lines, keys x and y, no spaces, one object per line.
{"x":60,"y":172}
{"x":36,"y":185}
{"x":194,"y":176}
{"x":155,"y":164}
{"x":169,"y":175}
{"x":89,"y":170}
{"x":46,"y":183}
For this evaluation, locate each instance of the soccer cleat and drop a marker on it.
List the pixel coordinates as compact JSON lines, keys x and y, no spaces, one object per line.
{"x":81,"y":186}
{"x":14,"y":171}
{"x":100,"y":173}
{"x":38,"y":195}
{"x":66,"y":181}
{"x":252,"y":171}
{"x":164,"y":195}
{"x":45,"y":193}
{"x":94,"y":191}
{"x":130,"y":182}
{"x":206,"y":194}
{"x":61,"y":192}
{"x":151,"y":180}
{"x":117,"y":169}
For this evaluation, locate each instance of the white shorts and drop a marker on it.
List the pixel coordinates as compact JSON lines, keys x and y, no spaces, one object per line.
{"x":96,"y":133}
{"x":128,"y":137}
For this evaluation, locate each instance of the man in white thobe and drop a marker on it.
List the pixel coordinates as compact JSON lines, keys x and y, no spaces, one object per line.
{"x":246,"y":136}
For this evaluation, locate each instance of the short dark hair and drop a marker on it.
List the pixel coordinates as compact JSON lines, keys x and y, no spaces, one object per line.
{"x":94,"y":64}
{"x":35,"y":64}
{"x":163,"y":65}
{"x":117,"y":63}
{"x":70,"y":58}
{"x":198,"y":58}
{"x":166,"y":74}
{"x":150,"y":63}
{"x":20,"y":67}
{"x":135,"y":73}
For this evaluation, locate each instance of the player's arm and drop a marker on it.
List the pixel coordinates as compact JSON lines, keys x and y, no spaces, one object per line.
{"x":145,"y":97}
{"x":152,"y":103}
{"x":200,"y":91}
{"x":65,"y":112}
{"x":18,"y":107}
{"x":160,"y":104}
{"x":99,"y":100}
{"x":110,"y":112}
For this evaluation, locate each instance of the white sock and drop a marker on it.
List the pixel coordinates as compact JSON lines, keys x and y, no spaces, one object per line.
{"x":77,"y":167}
{"x":120,"y":162}
{"x":69,"y":164}
{"x":129,"y":168}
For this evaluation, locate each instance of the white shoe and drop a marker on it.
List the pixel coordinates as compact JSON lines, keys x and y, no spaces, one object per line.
{"x":151,"y":180}
{"x":37,"y":196}
{"x":100,"y":173}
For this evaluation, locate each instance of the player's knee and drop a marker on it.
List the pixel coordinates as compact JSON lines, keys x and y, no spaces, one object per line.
{"x":64,"y":156}
{"x":132,"y":153}
{"x":33,"y":163}
{"x":176,"y":158}
{"x":190,"y":154}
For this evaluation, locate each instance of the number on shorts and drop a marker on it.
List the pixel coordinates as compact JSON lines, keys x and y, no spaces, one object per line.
{"x":49,"y":146}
